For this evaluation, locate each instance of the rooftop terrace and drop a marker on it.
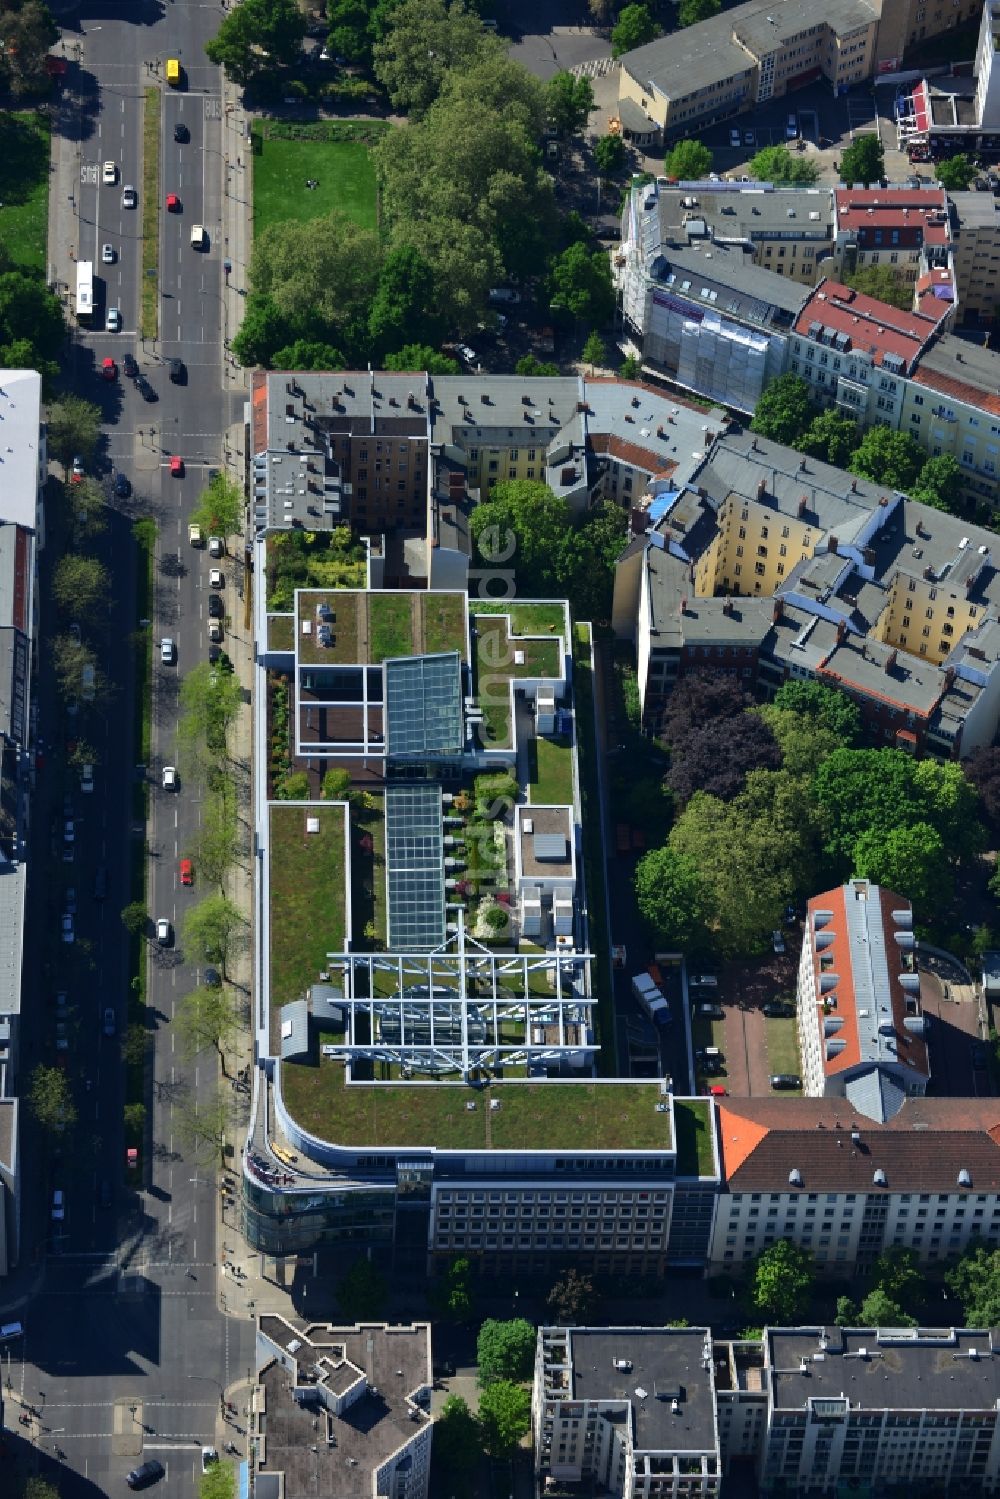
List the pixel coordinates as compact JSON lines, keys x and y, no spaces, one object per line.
{"x":367,"y":628}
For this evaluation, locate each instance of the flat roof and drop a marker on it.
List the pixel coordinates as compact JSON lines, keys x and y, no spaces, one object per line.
{"x":884,"y":672}
{"x":366,"y":627}
{"x":468,"y":409}
{"x":742,"y":210}
{"x":689,"y":60}
{"x":545,"y":860}
{"x":904,"y":1369}
{"x":978,"y":210}
{"x":664,"y":1364}
{"x":963,"y":370}
{"x":533,"y":1114}
{"x":21,"y":414}
{"x":414,"y":859}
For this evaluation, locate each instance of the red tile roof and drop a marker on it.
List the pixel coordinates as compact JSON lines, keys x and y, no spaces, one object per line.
{"x":861,"y":209}
{"x":872,"y":326}
{"x":922,"y":1149}
{"x":947,"y":385}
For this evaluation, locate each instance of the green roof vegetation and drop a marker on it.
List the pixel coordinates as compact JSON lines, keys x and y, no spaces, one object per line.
{"x":693,"y":1126}
{"x":443,"y":623}
{"x":345,"y":607}
{"x":280,"y":632}
{"x":526,"y":619}
{"x":531,"y":1116}
{"x":368,"y":628}
{"x":368,"y":897}
{"x":501,"y":656}
{"x":312,"y":559}
{"x":390,"y":625}
{"x":307,"y":904}
{"x":550,"y":772}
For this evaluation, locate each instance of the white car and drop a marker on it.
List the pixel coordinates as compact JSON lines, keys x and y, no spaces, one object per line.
{"x":87,"y":778}
{"x":469,"y":355}
{"x":216,"y":546}
{"x":107,"y":254}
{"x":215,"y":578}
{"x":129,"y":198}
{"x":167,"y":650}
{"x":170,"y":778}
{"x":58,"y":1205}
{"x":163,"y":931}
{"x":735,"y":139}
{"x":69,"y":830}
{"x":792,"y":128}
{"x":68,"y":934}
{"x":113,"y":323}
{"x":109,"y":173}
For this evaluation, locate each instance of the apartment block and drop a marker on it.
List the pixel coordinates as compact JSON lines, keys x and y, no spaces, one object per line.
{"x":951,"y":404}
{"x":900,"y":228}
{"x":818,"y":1172}
{"x":722,"y":66}
{"x":757,"y":560}
{"x":629,"y":1410}
{"x":976,"y":240}
{"x":786,"y":230}
{"x":342,"y":1411}
{"x":862,"y":1035}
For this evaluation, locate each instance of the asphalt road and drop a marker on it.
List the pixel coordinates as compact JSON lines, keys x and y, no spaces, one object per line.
{"x":126,"y":1353}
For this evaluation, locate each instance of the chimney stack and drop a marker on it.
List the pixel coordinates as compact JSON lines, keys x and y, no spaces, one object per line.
{"x":890,"y":661}
{"x":841,"y":631}
{"x":832,"y":543}
{"x":762,"y":489}
{"x":803,"y":503}
{"x":777,"y":612}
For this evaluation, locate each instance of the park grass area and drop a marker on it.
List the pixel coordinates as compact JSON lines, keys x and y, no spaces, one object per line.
{"x":550,"y":772}
{"x":693,"y":1128}
{"x":149,"y":314}
{"x":594,"y":865}
{"x":24,"y":188}
{"x":280,"y":632}
{"x":336,"y":155}
{"x":532,"y":1116}
{"x":307,"y":900}
{"x":390,"y":626}
{"x":783,"y":1048}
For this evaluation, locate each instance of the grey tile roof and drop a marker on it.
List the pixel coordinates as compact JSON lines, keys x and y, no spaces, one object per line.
{"x":875,"y":1095}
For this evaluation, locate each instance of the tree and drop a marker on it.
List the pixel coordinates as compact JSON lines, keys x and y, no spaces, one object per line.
{"x":863,"y":161}
{"x":630,"y":368}
{"x":956,"y":173}
{"x":832,"y":709}
{"x":350,"y":32}
{"x":293,"y":787}
{"x":975,"y":1280}
{"x":74,"y":426}
{"x":982,"y":769}
{"x":363,"y":1293}
{"x":897,"y":1272}
{"x":134,"y":1042}
{"x":784,"y":411}
{"x":264,"y":329}
{"x":218,"y":838}
{"x":257,"y":37}
{"x":403,"y":307}
{"x":210,"y":929}
{"x":830,"y":436}
{"x":880,"y":282}
{"x":69,"y":659}
{"x":585,"y":565}
{"x":27,"y":31}
{"x":88,"y":510}
{"x":31,"y":324}
{"x":210,"y":700}
{"x":320,"y":276}
{"x":778,"y":164}
{"x":688,"y":161}
{"x":594,"y":351}
{"x":504,"y":1416}
{"x":690,"y":12}
{"x":940,"y":483}
{"x":634,"y":28}
{"x":530,"y":366}
{"x":569,"y":101}
{"x":572,"y":1299}
{"x":423,"y":41}
{"x":219,"y":511}
{"x":781,"y":1283}
{"x":609,"y":155}
{"x":423,"y":358}
{"x":336,"y":784}
{"x":307,"y":354}
{"x":505,"y":1350}
{"x":890,"y":458}
{"x":718,"y":757}
{"x":203,"y":1123}
{"x":909,"y":859}
{"x":134,"y":1120}
{"x":581,"y":282}
{"x":135,"y":917}
{"x":701,"y":697}
{"x":522,"y":523}
{"x":452,"y":1295}
{"x":879,"y":1310}
{"x":847,"y":1312}
{"x":218,"y":1481}
{"x":456,"y":1436}
{"x":207,"y":1018}
{"x":50,"y":1099}
{"x":80,"y":585}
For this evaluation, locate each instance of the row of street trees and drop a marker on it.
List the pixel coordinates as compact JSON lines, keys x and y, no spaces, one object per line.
{"x":786,"y":414}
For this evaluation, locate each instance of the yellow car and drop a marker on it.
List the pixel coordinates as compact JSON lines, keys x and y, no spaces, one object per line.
{"x":173,"y":71}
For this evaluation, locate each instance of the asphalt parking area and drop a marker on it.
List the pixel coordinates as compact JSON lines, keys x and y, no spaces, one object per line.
{"x":754,"y":1045}
{"x":953,"y":1010}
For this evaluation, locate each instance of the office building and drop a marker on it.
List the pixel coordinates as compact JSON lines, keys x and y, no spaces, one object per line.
{"x":341,"y":1411}
{"x":975,"y":218}
{"x":862,"y":1034}
{"x":629,"y":1410}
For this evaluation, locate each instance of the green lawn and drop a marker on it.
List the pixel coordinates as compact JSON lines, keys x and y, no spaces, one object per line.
{"x":551,"y":772}
{"x":390,"y":625}
{"x":280,"y":632}
{"x":24,"y":188}
{"x":342,"y":167}
{"x":783,"y":1047}
{"x":557,"y":1115}
{"x":307,"y":896}
{"x":692,"y":1122}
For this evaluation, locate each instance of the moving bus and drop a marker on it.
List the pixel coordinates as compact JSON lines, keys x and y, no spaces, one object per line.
{"x":84,"y":290}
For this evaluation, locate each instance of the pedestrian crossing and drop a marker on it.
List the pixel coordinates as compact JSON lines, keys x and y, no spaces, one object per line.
{"x":597,"y":67}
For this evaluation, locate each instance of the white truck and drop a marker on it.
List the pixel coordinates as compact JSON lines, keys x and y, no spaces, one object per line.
{"x":651,"y":999}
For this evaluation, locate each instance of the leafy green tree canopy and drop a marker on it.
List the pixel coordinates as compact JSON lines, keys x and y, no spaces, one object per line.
{"x":80,"y":585}
{"x":674,"y":899}
{"x":569,"y":100}
{"x":831,"y":437}
{"x":879,"y":1310}
{"x":522,"y":523}
{"x":690,"y":12}
{"x":504,"y":1416}
{"x":256,"y":37}
{"x":423,"y":41}
{"x":74,"y":426}
{"x":784,"y":410}
{"x":879,"y":282}
{"x":688,"y":161}
{"x":634,"y":28}
{"x":422,"y":357}
{"x":940,"y":483}
{"x":581,"y":282}
{"x":778,"y":164}
{"x":975,"y":1280}
{"x":832,"y":709}
{"x":219,"y":511}
{"x":505,"y":1350}
{"x":956,"y":173}
{"x":781,"y":1283}
{"x":887,"y":457}
{"x":456,"y":1436}
{"x":50,"y":1099}
{"x":609,"y":154}
{"x":863,"y":161}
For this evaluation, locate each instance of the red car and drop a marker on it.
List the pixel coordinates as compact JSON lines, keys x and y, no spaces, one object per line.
{"x":187,"y":872}
{"x":173,"y":203}
{"x":177,"y":467}
{"x":109,"y":369}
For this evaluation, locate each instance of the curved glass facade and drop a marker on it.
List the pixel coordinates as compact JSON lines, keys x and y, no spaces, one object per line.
{"x":284,"y":1222}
